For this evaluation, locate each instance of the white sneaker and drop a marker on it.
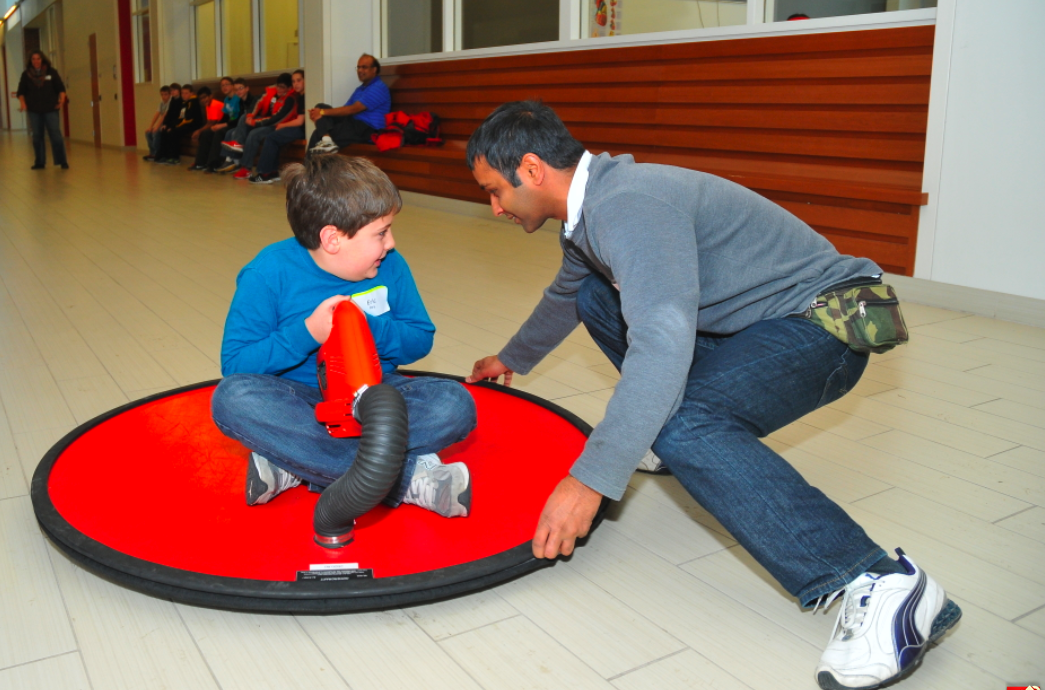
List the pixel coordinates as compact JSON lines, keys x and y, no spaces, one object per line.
{"x":885,"y":626}
{"x":265,"y":481}
{"x":652,"y":464}
{"x":443,"y":489}
{"x":325,"y":145}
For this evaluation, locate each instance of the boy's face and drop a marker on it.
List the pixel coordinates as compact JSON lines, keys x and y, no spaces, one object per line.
{"x":299,"y":83}
{"x":186,"y":94}
{"x":241,"y":91}
{"x":360,"y":255}
{"x":165,"y":95}
{"x":226,"y":87}
{"x":204,"y":101}
{"x":281,"y":90}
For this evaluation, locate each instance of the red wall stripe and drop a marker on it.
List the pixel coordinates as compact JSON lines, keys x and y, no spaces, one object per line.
{"x":130,"y":125}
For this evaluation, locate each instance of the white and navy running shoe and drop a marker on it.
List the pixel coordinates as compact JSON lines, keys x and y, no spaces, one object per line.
{"x":884,"y":628}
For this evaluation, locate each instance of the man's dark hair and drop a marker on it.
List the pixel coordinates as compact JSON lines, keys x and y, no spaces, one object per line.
{"x":285,"y":79}
{"x":348,"y":193}
{"x":376,"y":63}
{"x":204,"y":91}
{"x":165,"y":88}
{"x":44,"y":62}
{"x":240,"y":80}
{"x":518,"y":128}
{"x":175,"y":87}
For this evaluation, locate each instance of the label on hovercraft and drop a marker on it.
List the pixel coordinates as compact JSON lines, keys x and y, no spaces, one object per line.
{"x":335,"y":575}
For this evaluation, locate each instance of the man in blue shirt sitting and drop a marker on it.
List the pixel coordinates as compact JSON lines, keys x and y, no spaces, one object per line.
{"x":362,"y":115}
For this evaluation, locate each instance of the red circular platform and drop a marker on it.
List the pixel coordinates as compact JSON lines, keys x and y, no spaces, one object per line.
{"x":152,"y":496}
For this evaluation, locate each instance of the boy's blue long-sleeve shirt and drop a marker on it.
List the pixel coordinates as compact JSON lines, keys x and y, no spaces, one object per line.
{"x":265,"y":329}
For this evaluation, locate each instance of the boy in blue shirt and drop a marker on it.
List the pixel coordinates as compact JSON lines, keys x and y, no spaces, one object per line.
{"x":341,"y":212}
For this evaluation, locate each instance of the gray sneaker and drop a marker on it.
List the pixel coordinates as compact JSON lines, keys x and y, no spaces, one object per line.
{"x":652,"y":464}
{"x":325,"y":145}
{"x":443,"y":489}
{"x":265,"y":481}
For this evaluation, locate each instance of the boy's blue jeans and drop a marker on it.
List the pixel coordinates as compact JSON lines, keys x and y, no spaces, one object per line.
{"x":740,"y":388}
{"x":276,"y":418}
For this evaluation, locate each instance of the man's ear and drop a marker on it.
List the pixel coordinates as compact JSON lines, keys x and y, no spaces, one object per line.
{"x":532,"y":168}
{"x":330,"y":239}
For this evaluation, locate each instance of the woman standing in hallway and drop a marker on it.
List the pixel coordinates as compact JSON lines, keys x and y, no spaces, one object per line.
{"x":42,"y":93}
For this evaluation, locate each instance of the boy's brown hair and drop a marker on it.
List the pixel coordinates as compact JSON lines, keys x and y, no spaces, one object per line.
{"x":348,"y":193}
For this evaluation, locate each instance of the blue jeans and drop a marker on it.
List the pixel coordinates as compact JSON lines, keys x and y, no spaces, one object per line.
{"x":269,"y":160}
{"x":742,"y":387}
{"x":49,"y":121}
{"x":153,"y":140}
{"x":253,"y":144}
{"x":276,"y":417}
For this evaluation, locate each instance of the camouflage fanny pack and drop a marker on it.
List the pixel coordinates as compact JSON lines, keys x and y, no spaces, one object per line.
{"x":866,"y":316}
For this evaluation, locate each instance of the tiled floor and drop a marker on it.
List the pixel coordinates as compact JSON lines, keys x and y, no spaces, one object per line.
{"x":114,"y":281}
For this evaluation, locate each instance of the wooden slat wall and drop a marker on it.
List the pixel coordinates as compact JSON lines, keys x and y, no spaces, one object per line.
{"x":831,"y":126}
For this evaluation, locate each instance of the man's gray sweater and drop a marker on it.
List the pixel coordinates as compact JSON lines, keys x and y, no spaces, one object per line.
{"x":688,"y":251}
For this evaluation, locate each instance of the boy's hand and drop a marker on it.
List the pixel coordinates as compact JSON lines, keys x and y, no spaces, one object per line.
{"x":321,"y":320}
{"x":490,"y":368}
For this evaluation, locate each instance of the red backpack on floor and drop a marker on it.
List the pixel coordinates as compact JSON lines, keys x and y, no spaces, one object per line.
{"x":421,"y":129}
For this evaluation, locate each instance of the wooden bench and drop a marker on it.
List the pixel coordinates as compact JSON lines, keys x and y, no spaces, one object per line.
{"x":831,"y":126}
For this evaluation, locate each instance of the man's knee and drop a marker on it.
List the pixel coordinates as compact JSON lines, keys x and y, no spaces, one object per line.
{"x":595,"y":296}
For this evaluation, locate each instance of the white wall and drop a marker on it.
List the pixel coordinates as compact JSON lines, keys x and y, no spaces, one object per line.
{"x":985,"y":159}
{"x":15,"y":65}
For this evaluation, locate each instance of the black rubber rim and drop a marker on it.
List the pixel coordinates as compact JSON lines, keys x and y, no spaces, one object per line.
{"x":280,"y":597}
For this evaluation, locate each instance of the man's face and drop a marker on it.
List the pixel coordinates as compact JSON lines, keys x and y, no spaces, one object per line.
{"x":226,"y":87}
{"x":520,"y":204}
{"x":362,"y":254}
{"x":241,"y":91}
{"x":186,"y":94}
{"x":299,"y":83}
{"x":366,"y":69}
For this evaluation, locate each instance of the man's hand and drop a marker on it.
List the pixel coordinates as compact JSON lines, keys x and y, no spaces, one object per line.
{"x":196,"y":134}
{"x":490,"y":368}
{"x":566,"y":518}
{"x":313,"y":114}
{"x":321,"y":320}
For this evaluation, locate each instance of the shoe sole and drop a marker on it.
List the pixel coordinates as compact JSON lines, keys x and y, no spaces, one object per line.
{"x":259,"y":489}
{"x":944,"y":621}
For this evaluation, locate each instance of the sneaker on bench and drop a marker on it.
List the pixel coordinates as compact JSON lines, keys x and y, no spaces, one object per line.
{"x":325,"y":145}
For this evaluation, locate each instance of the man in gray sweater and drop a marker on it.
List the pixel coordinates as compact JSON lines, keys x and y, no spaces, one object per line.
{"x":691,"y":285}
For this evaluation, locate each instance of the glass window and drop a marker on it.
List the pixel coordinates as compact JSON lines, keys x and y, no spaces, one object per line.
{"x":487,"y":23}
{"x":783,"y":10}
{"x":413,"y":27}
{"x":142,"y":42}
{"x":608,"y":17}
{"x":237,"y":33}
{"x":206,"y":42}
{"x":279,"y":20}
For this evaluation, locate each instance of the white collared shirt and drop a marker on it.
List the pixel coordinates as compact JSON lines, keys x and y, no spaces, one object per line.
{"x":575,"y":197}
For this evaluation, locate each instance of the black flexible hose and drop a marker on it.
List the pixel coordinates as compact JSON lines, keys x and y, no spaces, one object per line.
{"x":382,"y":448}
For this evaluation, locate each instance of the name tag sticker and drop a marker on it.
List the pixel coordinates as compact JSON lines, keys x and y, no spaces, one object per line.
{"x":373,"y":301}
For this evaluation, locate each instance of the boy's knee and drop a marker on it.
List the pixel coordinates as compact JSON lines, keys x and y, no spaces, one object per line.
{"x":231,"y":397}
{"x":451,"y":409}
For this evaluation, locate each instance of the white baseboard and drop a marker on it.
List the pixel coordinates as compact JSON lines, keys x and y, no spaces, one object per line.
{"x":996,"y":305}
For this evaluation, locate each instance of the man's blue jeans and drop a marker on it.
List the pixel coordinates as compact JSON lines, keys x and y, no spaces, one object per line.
{"x":740,"y":388}
{"x":269,"y":160}
{"x":276,"y":417}
{"x":49,"y":121}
